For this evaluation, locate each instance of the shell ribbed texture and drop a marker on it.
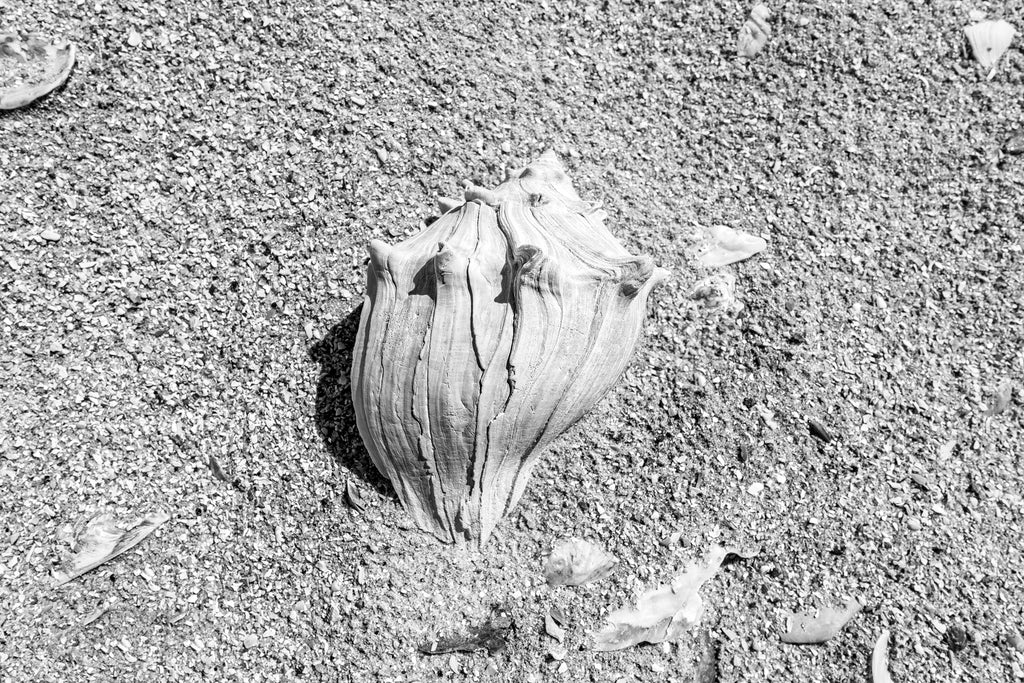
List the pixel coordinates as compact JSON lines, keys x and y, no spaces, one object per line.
{"x":486,"y":336}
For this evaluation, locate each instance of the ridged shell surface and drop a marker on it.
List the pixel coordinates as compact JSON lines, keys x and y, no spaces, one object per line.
{"x":484,"y":337}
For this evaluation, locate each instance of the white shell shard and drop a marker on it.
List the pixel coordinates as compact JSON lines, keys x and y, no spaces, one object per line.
{"x":484,"y":337}
{"x":754,"y":32}
{"x":723,"y":246}
{"x":575,"y":562}
{"x":989,"y":40}
{"x":48,"y":66}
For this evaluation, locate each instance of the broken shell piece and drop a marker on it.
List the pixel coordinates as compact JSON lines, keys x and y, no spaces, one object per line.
{"x":32,"y":68}
{"x":102,"y":538}
{"x":989,"y":40}
{"x":663,"y":613}
{"x":754,"y":32}
{"x":575,"y":562}
{"x":880,"y":659}
{"x":717,"y":294}
{"x":484,"y":337}
{"x":721,"y":245}
{"x":805,"y":628}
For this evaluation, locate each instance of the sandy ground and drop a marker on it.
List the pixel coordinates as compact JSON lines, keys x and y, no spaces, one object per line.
{"x":210,"y":192}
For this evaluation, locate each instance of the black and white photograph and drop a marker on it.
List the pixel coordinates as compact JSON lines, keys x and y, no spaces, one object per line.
{"x":512,"y":341}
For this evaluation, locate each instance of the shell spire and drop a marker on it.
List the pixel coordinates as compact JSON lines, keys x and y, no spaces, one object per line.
{"x":486,"y":336}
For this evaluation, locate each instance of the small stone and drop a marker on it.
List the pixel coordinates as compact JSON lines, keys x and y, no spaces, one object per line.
{"x":50,"y":235}
{"x":557,"y":652}
{"x":382,"y":154}
{"x":250,"y":641}
{"x":134,"y":38}
{"x":1015,"y":144}
{"x":956,"y":637}
{"x":914,"y":524}
{"x":756,"y":488}
{"x":1015,"y":640}
{"x":506,"y":147}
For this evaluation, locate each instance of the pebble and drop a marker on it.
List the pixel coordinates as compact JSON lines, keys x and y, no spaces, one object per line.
{"x":134,"y":38}
{"x":756,"y":488}
{"x":1015,"y":145}
{"x":250,"y":641}
{"x":506,"y":147}
{"x":50,"y":235}
{"x":914,"y":524}
{"x":1015,"y":640}
{"x":382,"y":155}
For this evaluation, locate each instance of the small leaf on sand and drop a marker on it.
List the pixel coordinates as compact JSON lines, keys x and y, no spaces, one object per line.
{"x":103,"y":538}
{"x":818,"y":430}
{"x":574,"y":562}
{"x":490,"y":637}
{"x":880,"y":659}
{"x":353,"y":498}
{"x":663,"y":613}
{"x":94,"y":615}
{"x":217,"y":470}
{"x":809,"y":627}
{"x":1000,"y":398}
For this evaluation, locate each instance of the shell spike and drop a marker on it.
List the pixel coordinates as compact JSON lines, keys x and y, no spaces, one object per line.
{"x":481,"y":194}
{"x":379,"y":253}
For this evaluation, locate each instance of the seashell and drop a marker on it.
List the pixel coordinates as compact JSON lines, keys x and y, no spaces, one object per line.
{"x":989,"y":40}
{"x":575,"y":562}
{"x":717,"y":294}
{"x":754,"y":32}
{"x":487,"y":335}
{"x":31,"y":68}
{"x":721,"y":245}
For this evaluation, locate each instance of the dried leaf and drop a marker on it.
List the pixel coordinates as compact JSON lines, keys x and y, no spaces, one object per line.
{"x":663,"y":613}
{"x":104,"y":538}
{"x":217,"y":470}
{"x":989,"y":40}
{"x":817,"y":626}
{"x":94,"y":615}
{"x":490,"y":637}
{"x":353,"y":498}
{"x":754,"y":32}
{"x":1000,"y":398}
{"x":52,"y":62}
{"x":880,"y":659}
{"x":818,"y":430}
{"x":575,"y":562}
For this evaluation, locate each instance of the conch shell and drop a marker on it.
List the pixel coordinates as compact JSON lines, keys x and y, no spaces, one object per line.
{"x":754,"y":32}
{"x":486,"y":336}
